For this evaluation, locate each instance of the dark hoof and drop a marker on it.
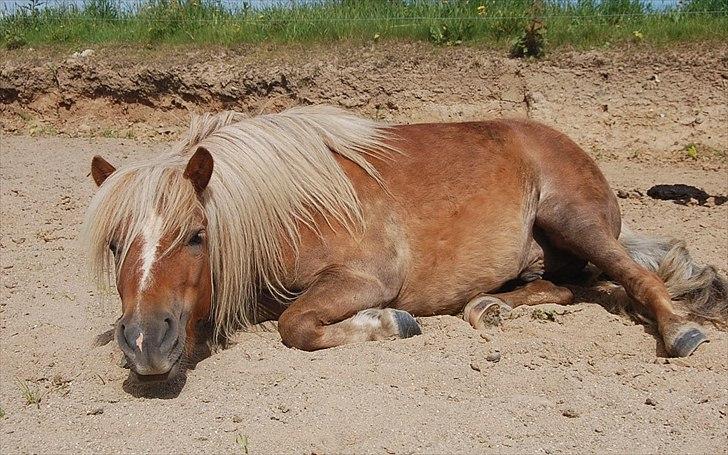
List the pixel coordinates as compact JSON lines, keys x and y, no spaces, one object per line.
{"x":406,"y":324}
{"x":687,"y":342}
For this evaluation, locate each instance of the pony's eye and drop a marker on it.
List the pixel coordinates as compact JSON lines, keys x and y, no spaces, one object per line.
{"x":197,"y":238}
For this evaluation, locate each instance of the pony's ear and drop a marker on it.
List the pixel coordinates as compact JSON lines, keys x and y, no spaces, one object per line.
{"x":199,"y":169}
{"x":101,"y":169}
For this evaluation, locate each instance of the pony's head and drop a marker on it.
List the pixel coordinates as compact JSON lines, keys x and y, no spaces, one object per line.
{"x":150,"y":227}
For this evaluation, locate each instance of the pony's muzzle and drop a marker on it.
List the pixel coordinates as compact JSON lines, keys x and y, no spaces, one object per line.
{"x":150,"y":345}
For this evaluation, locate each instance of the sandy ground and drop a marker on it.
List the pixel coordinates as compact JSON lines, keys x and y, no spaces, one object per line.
{"x":590,"y":381}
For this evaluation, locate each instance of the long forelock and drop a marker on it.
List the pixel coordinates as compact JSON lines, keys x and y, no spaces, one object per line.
{"x":131,"y":200}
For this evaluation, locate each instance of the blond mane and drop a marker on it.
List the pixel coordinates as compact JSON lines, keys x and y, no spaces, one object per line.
{"x":272,"y":173}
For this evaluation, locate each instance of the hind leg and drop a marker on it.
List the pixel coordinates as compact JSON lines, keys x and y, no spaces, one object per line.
{"x":589,"y":228}
{"x":487,"y":309}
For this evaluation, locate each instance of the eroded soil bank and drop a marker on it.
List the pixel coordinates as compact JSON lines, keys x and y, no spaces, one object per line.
{"x":627,"y":101}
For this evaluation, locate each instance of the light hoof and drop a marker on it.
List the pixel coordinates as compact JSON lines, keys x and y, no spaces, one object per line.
{"x":407,"y":325}
{"x":686,"y":341}
{"x":485,"y":311}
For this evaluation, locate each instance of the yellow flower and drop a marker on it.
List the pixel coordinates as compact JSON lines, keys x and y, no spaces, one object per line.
{"x":481,"y":10}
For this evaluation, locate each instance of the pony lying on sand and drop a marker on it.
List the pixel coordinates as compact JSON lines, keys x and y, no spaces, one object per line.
{"x":344,"y":229}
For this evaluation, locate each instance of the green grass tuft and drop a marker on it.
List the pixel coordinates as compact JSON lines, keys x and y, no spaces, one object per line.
{"x":691,"y":151}
{"x":31,"y":395}
{"x":242,"y":442}
{"x":581,"y":24}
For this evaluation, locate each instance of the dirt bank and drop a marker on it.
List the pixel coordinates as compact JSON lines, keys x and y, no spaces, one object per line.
{"x":626,"y":101}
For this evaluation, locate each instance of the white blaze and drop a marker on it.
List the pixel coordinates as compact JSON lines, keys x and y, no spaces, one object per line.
{"x":152,"y":234}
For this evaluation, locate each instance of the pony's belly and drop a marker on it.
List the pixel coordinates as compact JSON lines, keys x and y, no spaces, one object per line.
{"x":468,"y":258}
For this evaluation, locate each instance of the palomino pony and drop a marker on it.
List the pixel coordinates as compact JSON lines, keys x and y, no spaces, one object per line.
{"x":343,"y":229}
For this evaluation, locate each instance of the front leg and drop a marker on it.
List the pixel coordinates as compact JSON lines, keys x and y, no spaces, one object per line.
{"x":344,"y":306}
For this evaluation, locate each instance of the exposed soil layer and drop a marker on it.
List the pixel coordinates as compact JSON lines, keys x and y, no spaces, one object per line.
{"x":629,"y":101}
{"x":581,"y":380}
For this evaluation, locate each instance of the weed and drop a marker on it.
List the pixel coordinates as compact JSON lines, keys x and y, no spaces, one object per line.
{"x":2,"y":413}
{"x":531,"y":43}
{"x":39,"y":129}
{"x":442,"y":34}
{"x":242,"y":442}
{"x":25,"y":116}
{"x":691,"y":151}
{"x":31,"y":395}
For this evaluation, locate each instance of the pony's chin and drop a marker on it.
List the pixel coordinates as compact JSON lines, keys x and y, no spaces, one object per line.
{"x":169,"y":376}
{"x":155,"y":378}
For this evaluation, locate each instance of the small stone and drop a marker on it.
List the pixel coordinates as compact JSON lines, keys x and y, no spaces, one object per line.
{"x":535,"y":98}
{"x":95,"y":412}
{"x":494,"y":357}
{"x":485,"y":337}
{"x":650,"y":402}
{"x":474,"y":366}
{"x":237,"y":419}
{"x":622,"y":194}
{"x":570,"y":413}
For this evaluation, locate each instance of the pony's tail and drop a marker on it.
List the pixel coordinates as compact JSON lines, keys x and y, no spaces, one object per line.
{"x":697,"y":290}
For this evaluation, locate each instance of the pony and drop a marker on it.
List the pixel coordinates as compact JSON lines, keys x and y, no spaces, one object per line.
{"x":344,"y":230}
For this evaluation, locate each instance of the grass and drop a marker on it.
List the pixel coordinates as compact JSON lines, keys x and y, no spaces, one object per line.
{"x":579,"y":23}
{"x":691,"y":151}
{"x":31,"y":395}
{"x":242,"y":442}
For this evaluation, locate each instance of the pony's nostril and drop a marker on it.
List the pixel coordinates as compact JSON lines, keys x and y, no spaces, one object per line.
{"x":170,"y":334}
{"x":128,"y":337}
